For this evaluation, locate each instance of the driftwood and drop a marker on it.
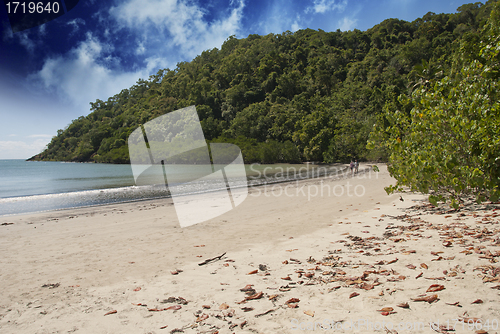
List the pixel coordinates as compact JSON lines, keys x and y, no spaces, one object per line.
{"x":211,"y":260}
{"x":267,"y":312}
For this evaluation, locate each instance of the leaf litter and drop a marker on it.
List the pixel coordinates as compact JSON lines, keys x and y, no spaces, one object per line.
{"x":348,"y":269}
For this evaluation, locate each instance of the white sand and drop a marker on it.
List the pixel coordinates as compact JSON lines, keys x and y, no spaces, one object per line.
{"x":61,"y":272}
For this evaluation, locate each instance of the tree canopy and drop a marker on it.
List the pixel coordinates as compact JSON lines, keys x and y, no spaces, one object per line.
{"x":290,"y":97}
{"x":444,"y":140}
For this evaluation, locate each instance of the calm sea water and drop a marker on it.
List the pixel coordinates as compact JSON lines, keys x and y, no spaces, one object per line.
{"x":28,"y":186}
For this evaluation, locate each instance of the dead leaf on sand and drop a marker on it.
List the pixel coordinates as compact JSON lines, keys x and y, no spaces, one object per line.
{"x":173,"y":307}
{"x":292,"y":300}
{"x":202,"y":317}
{"x":267,"y":312}
{"x":178,"y":300}
{"x":435,"y":287}
{"x":403,"y":305}
{"x":111,"y":312}
{"x":257,"y":295}
{"x":309,"y":313}
{"x":386,"y":313}
{"x":366,"y":286}
{"x":273,"y":297}
{"x":354,"y":294}
{"x":430,"y":299}
{"x":386,"y":309}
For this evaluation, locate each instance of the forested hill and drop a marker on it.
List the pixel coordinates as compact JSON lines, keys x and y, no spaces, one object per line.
{"x":308,"y":95}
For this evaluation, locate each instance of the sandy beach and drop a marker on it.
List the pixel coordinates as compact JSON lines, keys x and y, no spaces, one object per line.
{"x":332,"y":254}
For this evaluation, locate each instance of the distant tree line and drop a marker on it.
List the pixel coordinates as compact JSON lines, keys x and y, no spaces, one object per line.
{"x":290,"y":97}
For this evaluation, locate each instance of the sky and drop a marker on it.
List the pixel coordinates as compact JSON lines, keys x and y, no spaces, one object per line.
{"x":50,"y":73}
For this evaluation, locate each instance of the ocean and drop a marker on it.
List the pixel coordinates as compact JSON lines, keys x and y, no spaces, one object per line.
{"x":32,"y":186}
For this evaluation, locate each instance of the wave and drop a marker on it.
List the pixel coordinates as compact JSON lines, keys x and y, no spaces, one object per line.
{"x":97,"y":197}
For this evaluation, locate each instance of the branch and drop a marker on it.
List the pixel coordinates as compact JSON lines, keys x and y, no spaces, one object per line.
{"x":211,"y":260}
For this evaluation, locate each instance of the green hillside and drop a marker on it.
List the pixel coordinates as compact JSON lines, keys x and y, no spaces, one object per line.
{"x":308,"y":95}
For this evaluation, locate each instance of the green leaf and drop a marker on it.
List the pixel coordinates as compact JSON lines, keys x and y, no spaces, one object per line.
{"x":433,"y":200}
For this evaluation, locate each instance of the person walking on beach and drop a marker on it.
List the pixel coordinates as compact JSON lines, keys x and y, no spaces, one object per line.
{"x":351,"y":165}
{"x":356,"y":166}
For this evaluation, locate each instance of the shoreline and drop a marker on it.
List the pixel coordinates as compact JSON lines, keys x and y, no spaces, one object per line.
{"x":269,"y":181}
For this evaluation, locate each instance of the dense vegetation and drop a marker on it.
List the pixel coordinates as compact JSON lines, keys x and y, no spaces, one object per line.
{"x":445,"y":140}
{"x":308,"y":95}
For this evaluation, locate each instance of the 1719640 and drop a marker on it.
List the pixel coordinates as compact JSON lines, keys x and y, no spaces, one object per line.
{"x":23,"y":7}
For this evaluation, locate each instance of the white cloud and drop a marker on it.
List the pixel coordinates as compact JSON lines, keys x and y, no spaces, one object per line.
{"x":179,"y":22}
{"x":295,"y":26}
{"x":75,"y":24}
{"x":25,"y":41}
{"x":140,"y":49}
{"x":276,"y":19}
{"x":323,"y":6}
{"x":347,"y":24}
{"x":29,"y":39}
{"x":42,"y":30}
{"x":164,"y":32}
{"x":86,"y":73}
{"x":10,"y":149}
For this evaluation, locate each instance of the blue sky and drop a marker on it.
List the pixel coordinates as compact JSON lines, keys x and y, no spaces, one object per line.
{"x":50,"y":73}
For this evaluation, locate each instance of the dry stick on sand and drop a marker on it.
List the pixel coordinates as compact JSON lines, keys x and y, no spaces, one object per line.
{"x":212,"y":259}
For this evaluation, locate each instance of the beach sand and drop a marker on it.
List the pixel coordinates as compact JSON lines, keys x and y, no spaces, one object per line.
{"x":320,"y":255}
